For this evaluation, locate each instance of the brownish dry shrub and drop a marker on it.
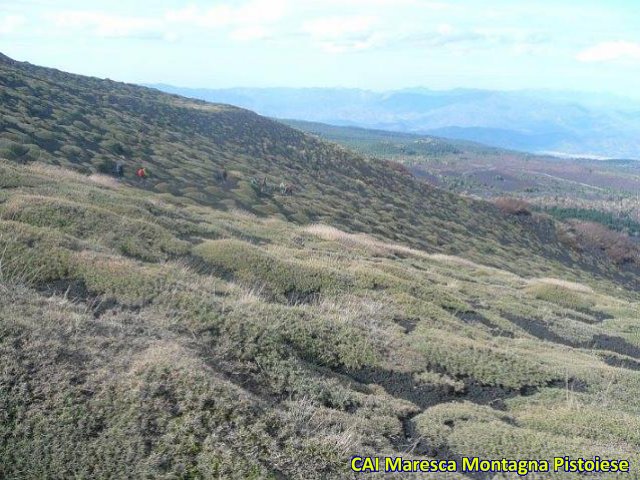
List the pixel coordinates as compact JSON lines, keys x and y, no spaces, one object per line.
{"x":513,"y":206}
{"x":616,"y":245}
{"x":398,"y":167}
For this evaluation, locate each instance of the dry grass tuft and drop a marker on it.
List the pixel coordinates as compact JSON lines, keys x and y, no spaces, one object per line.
{"x":576,"y":287}
{"x":54,"y":172}
{"x":240,"y":213}
{"x":58,"y":173}
{"x":104,"y":180}
{"x":351,"y":240}
{"x":249,"y":296}
{"x":453,"y":260}
{"x":164,"y":352}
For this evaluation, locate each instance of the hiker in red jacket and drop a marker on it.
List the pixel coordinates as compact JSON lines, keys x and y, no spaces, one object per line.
{"x":141,"y":173}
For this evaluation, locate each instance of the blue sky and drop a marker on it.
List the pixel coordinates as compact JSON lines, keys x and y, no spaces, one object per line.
{"x":372,"y":44}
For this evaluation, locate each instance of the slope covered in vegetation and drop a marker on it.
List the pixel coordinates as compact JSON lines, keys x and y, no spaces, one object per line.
{"x":90,"y":124}
{"x":164,"y":332}
{"x":604,"y":192}
{"x":198,"y":343}
{"x":487,"y":172}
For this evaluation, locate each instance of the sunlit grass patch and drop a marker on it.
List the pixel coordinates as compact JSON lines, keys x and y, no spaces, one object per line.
{"x":559,"y":293}
{"x":136,"y":238}
{"x":285,"y":279}
{"x":31,"y":255}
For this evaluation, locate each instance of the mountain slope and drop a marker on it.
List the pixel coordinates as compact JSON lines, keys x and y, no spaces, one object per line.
{"x":151,"y":334}
{"x":533,"y":121}
{"x":198,"y":343}
{"x":89,"y":124}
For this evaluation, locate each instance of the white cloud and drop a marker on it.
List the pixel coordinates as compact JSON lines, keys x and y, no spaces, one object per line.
{"x":171,"y":37}
{"x":518,"y":41}
{"x":422,"y":4}
{"x":384,"y":25}
{"x":11,"y":24}
{"x":336,"y":27}
{"x":250,"y":33}
{"x":252,"y":13}
{"x":343,"y":34}
{"x":357,"y":33}
{"x":445,"y":29}
{"x":347,"y":45}
{"x":608,"y":51}
{"x":106,"y":25}
{"x":243,"y":22}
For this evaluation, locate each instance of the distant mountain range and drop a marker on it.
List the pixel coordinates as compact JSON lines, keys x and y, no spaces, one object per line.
{"x":565,"y":123}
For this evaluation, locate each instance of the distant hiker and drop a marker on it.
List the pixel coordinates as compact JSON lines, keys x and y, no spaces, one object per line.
{"x":141,"y":173}
{"x":221,"y":175}
{"x":286,"y":188}
{"x":119,"y":170}
{"x":260,"y":186}
{"x":264,"y":186}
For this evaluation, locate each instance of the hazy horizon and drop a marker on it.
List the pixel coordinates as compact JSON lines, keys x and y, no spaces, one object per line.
{"x":378,"y":45}
{"x":407,"y":88}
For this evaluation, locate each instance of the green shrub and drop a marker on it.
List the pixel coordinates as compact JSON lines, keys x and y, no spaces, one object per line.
{"x":489,"y":365}
{"x":135,"y":238}
{"x":480,"y":431}
{"x":12,"y":177}
{"x":18,"y":152}
{"x":117,"y":277}
{"x":315,"y":339}
{"x":562,"y":296}
{"x":290,"y":280}
{"x":32,"y":255}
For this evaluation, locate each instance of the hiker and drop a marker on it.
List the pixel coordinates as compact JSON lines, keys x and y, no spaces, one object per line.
{"x":141,"y":173}
{"x":119,"y":170}
{"x":260,"y":186}
{"x":221,"y":175}
{"x":264,"y":187}
{"x":288,"y":189}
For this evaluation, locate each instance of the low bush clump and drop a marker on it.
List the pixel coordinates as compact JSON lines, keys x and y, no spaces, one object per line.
{"x":561,"y":295}
{"x":31,"y":255}
{"x":488,"y":365}
{"x":616,"y":245}
{"x":132,"y":237}
{"x":285,"y":280}
{"x":118,"y":277}
{"x":513,"y":206}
